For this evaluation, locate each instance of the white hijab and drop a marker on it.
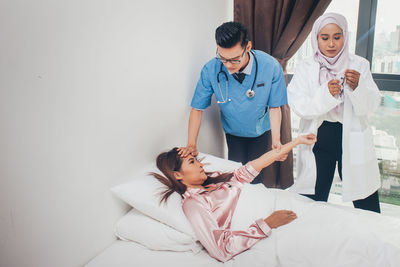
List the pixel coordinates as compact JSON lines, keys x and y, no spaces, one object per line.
{"x":330,"y":67}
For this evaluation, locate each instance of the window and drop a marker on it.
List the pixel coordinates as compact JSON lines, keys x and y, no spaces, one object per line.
{"x":386,"y":131}
{"x":386,"y":51}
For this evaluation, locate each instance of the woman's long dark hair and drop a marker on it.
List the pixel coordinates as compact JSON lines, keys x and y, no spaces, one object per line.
{"x":170,"y":162}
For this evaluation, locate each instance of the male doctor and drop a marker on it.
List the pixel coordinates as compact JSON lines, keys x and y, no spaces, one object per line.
{"x":249,"y":87}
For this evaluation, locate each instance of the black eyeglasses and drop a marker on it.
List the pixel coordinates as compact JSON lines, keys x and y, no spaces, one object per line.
{"x":233,"y":61}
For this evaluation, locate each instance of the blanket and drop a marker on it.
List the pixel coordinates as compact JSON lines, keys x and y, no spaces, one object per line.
{"x":323,"y":235}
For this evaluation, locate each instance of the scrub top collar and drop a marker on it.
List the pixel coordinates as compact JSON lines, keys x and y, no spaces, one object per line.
{"x":249,"y":67}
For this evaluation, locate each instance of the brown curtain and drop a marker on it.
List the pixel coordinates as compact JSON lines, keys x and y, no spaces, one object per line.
{"x":279,"y":27}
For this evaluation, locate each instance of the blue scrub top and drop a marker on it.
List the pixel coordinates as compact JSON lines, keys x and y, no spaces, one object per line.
{"x":243,"y":116}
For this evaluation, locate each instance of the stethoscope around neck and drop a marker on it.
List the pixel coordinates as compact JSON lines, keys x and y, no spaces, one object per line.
{"x":249,"y":93}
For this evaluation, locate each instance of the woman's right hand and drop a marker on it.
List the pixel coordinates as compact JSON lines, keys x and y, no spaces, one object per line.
{"x":279,"y":218}
{"x":335,"y":88}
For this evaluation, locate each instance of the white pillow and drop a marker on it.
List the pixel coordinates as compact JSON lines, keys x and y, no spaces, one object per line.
{"x":138,"y":227}
{"x":143,"y":193}
{"x":214,"y":164}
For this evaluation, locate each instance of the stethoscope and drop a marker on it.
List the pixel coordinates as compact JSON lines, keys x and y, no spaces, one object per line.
{"x":249,"y":93}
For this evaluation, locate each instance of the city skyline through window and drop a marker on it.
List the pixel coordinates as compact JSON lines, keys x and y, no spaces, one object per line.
{"x":386,"y":52}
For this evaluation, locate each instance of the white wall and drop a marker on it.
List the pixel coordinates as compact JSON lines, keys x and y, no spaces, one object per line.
{"x":89,"y":90}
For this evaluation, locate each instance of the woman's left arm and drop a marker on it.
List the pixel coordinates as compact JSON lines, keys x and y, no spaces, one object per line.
{"x":362,"y":90}
{"x":274,"y":154}
{"x":220,"y":241}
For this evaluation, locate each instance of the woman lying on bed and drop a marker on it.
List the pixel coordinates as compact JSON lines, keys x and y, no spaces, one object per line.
{"x":209,"y":199}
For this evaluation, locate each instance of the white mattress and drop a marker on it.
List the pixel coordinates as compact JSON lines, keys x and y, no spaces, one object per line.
{"x":128,"y":254}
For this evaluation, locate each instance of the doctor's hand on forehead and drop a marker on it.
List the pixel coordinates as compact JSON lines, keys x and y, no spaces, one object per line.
{"x":188,"y":150}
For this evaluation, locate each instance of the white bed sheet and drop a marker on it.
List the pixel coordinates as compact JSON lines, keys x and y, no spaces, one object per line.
{"x":323,"y":234}
{"x":129,"y":254}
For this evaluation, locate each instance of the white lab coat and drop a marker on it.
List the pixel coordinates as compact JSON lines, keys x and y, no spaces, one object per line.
{"x":310,"y":101}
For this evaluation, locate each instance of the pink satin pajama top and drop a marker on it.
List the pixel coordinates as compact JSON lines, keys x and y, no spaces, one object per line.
{"x":210,"y":215}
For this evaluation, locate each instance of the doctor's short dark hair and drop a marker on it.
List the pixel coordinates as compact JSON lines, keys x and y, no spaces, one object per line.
{"x":230,"y":33}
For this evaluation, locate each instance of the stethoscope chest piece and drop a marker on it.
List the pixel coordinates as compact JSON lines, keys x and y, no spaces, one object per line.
{"x":250,"y":93}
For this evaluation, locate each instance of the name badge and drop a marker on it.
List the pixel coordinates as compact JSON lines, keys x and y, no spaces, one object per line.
{"x":260,"y":85}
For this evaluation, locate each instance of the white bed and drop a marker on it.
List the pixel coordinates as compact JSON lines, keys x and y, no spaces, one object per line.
{"x":128,"y":254}
{"x":323,"y":235}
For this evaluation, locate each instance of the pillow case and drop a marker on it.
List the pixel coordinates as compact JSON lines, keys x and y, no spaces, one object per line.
{"x":214,"y":164}
{"x":138,"y":227}
{"x":143,"y":193}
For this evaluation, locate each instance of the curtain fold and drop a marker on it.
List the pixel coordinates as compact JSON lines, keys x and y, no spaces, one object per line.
{"x":279,"y":27}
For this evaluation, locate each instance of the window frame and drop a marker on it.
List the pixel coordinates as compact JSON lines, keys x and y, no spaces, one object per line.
{"x":365,"y":46}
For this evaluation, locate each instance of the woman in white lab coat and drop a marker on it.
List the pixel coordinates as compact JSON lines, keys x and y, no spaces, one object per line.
{"x":333,"y":93}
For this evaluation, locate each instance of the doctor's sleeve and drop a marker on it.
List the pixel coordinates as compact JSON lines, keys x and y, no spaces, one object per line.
{"x":203,"y":93}
{"x":366,"y":97}
{"x":278,"y":93}
{"x":306,"y":101}
{"x":221,"y":243}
